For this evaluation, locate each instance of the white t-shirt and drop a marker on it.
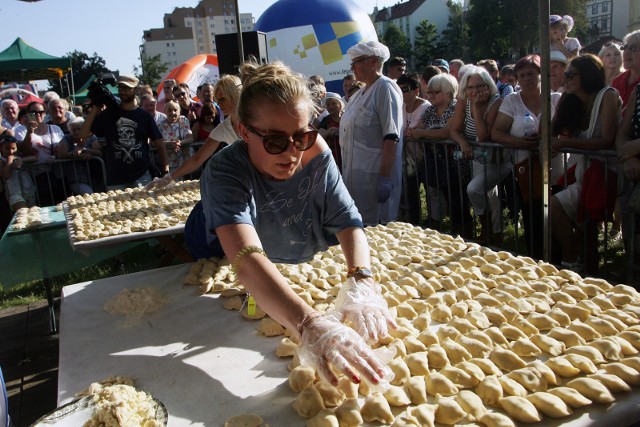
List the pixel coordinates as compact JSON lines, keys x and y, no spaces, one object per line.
{"x":46,"y":145}
{"x":412,"y":119}
{"x":224,"y":132}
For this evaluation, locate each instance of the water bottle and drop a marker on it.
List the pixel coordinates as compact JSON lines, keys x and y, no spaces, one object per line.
{"x":457,"y":155}
{"x":529,"y":125}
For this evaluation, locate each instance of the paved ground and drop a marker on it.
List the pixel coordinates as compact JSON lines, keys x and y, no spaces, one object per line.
{"x":29,"y":362}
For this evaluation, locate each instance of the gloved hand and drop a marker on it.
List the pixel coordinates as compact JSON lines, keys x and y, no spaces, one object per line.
{"x":160,"y":182}
{"x":383,"y":188}
{"x":360,"y":304}
{"x":333,"y":348}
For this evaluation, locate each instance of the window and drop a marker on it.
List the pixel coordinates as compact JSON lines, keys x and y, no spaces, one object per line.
{"x":594,"y":9}
{"x":604,"y":24}
{"x":167,"y":44}
{"x":605,"y":6}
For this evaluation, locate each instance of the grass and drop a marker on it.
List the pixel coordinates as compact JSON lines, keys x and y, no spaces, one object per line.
{"x":140,"y":258}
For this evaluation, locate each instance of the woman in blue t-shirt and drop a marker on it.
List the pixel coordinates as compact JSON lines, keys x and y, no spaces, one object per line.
{"x":277,"y":196}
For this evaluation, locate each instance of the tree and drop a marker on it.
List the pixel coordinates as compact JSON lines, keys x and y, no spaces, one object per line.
{"x":153,"y":70}
{"x":84,"y":67}
{"x":396,"y":41}
{"x":425,"y":48}
{"x":454,"y":42}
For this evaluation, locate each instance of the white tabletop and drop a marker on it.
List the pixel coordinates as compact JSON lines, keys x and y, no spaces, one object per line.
{"x":203,"y":362}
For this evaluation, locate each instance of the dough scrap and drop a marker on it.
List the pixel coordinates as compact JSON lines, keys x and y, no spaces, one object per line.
{"x":244,"y":420}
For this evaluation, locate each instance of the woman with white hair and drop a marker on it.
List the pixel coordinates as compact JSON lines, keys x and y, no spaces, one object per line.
{"x":626,"y":82}
{"x":329,"y":126}
{"x":371,"y":137}
{"x":479,"y":94}
{"x":611,"y":57}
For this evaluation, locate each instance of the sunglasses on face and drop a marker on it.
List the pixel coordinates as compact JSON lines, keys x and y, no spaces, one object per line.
{"x":180,"y":94}
{"x":276,"y":144}
{"x":405,"y":89}
{"x":38,"y":112}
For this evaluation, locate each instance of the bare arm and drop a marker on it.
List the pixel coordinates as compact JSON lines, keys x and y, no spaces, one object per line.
{"x":388,"y":157}
{"x":355,"y":247}
{"x":162,"y":152}
{"x":500,"y":132}
{"x":63,"y":151}
{"x":198,"y":158}
{"x":456,"y":129}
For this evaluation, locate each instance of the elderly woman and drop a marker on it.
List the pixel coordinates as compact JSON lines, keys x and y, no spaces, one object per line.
{"x":277,"y":196}
{"x":611,"y":57}
{"x":176,"y":134}
{"x":227,"y":93}
{"x":440,"y":172}
{"x":597,"y":131}
{"x":626,"y":82}
{"x":329,"y":126}
{"x":58,"y":109}
{"x":371,"y":137}
{"x":481,"y":101}
{"x":510,"y":129}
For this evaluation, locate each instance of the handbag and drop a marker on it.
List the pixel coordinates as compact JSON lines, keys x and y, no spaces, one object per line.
{"x":529,"y":177}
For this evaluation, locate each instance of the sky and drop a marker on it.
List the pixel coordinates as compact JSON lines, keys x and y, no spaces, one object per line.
{"x":113,"y":29}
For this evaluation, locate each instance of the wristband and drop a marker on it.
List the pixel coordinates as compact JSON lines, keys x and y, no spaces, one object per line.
{"x":308,"y":318}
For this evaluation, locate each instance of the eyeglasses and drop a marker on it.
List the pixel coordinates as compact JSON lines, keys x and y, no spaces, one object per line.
{"x":476,"y":87}
{"x":569,"y":75}
{"x":38,"y":112}
{"x":405,"y":89}
{"x":433,"y":92}
{"x":276,"y":144}
{"x":354,"y":62}
{"x":630,"y":47}
{"x":180,"y":94}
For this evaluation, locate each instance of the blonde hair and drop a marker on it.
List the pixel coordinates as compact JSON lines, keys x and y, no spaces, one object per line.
{"x":230,"y":86}
{"x":171,"y":103}
{"x":274,"y":83}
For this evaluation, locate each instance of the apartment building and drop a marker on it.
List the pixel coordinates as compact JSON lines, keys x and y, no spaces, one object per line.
{"x":607,"y":18}
{"x":189,"y":31}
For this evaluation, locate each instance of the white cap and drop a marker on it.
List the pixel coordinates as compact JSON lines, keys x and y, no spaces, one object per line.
{"x":332,"y":95}
{"x":370,"y":48}
{"x":556,"y":55}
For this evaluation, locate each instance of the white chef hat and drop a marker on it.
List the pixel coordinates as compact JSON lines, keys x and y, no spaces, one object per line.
{"x":370,"y":48}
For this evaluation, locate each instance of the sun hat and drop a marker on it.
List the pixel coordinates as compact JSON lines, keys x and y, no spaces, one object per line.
{"x":370,"y":48}
{"x":558,"y":56}
{"x":332,"y":95}
{"x":126,"y":80}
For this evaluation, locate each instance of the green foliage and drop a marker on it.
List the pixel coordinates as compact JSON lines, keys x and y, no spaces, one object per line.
{"x":396,"y":41}
{"x":152,"y":71}
{"x":454,"y":41}
{"x":84,"y":67}
{"x":426,"y":46}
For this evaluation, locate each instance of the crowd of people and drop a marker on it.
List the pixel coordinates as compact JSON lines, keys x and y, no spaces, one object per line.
{"x":289,"y":168}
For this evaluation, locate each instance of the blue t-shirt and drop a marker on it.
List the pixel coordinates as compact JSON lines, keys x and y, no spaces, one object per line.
{"x":294,"y":218}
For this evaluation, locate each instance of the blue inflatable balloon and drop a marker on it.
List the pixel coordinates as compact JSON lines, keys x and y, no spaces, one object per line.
{"x":313,"y":36}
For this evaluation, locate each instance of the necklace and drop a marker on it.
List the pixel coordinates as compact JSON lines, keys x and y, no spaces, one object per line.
{"x":410,"y":113}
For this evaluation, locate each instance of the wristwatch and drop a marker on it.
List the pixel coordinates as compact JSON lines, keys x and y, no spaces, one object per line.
{"x":360,"y":272}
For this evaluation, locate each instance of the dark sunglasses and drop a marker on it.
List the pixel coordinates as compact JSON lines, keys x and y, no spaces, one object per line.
{"x":276,"y":144}
{"x":569,"y":75}
{"x":405,"y":89}
{"x":179,"y":93}
{"x":38,"y":112}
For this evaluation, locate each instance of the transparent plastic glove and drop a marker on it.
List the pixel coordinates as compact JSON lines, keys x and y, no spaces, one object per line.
{"x":360,"y":304}
{"x":383,"y":188}
{"x":159,"y":182}
{"x":332,"y":348}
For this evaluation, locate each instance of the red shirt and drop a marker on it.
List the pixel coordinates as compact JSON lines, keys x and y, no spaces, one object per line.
{"x":620,"y":84}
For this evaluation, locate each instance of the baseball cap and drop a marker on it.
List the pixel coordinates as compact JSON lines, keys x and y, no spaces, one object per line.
{"x":556,"y":55}
{"x":129,"y":81}
{"x":441,"y":63}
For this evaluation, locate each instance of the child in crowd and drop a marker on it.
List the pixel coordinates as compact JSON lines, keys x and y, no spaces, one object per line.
{"x":507,"y":82}
{"x":559,"y":27}
{"x":19,"y":186}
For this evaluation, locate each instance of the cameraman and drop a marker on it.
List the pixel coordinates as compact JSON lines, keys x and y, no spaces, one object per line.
{"x":124,"y":130}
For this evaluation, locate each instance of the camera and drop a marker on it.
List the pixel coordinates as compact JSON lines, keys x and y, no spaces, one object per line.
{"x":99,"y":94}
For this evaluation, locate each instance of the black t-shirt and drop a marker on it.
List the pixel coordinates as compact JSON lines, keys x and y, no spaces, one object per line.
{"x":125,"y":136}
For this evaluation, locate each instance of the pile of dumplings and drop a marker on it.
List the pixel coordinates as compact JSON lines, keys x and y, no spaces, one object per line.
{"x":99,"y":215}
{"x":30,"y":217}
{"x":484,"y":337}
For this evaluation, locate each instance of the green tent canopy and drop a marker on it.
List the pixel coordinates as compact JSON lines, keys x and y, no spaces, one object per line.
{"x":82,"y":93}
{"x":21,"y":62}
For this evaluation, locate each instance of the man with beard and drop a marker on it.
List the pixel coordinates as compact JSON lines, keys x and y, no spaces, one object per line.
{"x":124,"y":133}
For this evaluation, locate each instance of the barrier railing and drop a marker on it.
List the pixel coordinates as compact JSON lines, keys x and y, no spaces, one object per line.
{"x":517,"y":224}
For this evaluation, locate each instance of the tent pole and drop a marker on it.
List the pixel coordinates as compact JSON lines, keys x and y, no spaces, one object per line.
{"x":73,"y":87}
{"x":545,"y":122}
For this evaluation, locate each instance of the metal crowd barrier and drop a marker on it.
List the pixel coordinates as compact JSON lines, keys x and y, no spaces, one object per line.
{"x":53,"y":182}
{"x":521,"y":223}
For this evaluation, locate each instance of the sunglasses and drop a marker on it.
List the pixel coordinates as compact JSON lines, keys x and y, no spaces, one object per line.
{"x":276,"y":144}
{"x":179,"y":94}
{"x":405,"y":89}
{"x":569,"y":75}
{"x":38,"y":112}
{"x":630,"y":47}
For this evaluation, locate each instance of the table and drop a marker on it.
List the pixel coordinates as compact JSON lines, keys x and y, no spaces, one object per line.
{"x":203,"y":362}
{"x":202,"y":372}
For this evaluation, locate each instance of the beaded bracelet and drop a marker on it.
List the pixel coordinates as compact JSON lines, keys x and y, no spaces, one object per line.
{"x":308,"y":318}
{"x":245,"y":251}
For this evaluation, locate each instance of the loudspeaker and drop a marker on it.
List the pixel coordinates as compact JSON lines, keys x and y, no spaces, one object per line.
{"x":254,"y":45}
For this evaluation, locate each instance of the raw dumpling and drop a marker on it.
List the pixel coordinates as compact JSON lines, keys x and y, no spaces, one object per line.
{"x":524,"y":347}
{"x":455,"y":352}
{"x":495,"y":419}
{"x":548,"y":344}
{"x":542,"y":321}
{"x":625,"y":372}
{"x":473,"y":370}
{"x":472,"y":404}
{"x":396,"y":396}
{"x":324,"y":418}
{"x":418,"y":363}
{"x":376,"y":408}
{"x":610,"y":349}
{"x":348,"y":414}
{"x":331,"y":396}
{"x":437,"y":357}
{"x":614,"y":383}
{"x":592,"y":389}
{"x":487,"y":366}
{"x":424,"y":414}
{"x":286,"y":348}
{"x":437,"y":383}
{"x":300,"y":377}
{"x":490,"y":390}
{"x":348,"y":387}
{"x":585,"y":331}
{"x":520,"y":409}
{"x":587,"y":351}
{"x":512,"y":387}
{"x":585,"y":365}
{"x":475,"y":347}
{"x":549,"y":404}
{"x":496,"y":336}
{"x":506,"y":360}
{"x":544,"y":370}
{"x":400,"y":370}
{"x":570,"y":396}
{"x":448,"y":411}
{"x":417,"y":390}
{"x":530,"y":378}
{"x":309,"y":402}
{"x":569,"y":338}
{"x":602,"y":326}
{"x":562,"y":367}
{"x":511,"y":332}
{"x":459,"y":377}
